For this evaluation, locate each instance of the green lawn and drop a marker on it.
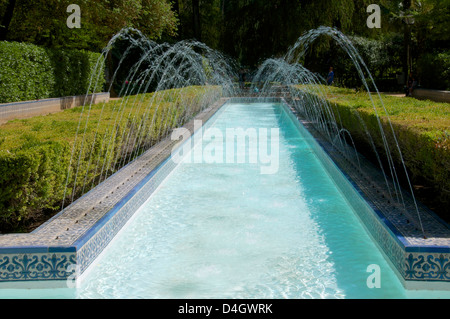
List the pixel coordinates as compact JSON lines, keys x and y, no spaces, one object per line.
{"x":428,"y":118}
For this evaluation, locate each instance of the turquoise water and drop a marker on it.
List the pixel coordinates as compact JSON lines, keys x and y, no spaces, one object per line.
{"x":225,"y":230}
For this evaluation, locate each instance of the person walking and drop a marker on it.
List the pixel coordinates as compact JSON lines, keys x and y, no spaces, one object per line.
{"x":412,"y":83}
{"x":242,"y":78}
{"x":330,"y":77}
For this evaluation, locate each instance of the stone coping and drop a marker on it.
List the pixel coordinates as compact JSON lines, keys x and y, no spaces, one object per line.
{"x":433,"y":95}
{"x":27,"y":109}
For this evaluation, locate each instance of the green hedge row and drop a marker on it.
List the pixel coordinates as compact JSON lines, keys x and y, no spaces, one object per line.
{"x":35,"y":153}
{"x":422,"y":130}
{"x":30,"y":72}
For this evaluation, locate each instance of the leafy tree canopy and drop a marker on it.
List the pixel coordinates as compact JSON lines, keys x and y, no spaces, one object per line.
{"x":43,"y":22}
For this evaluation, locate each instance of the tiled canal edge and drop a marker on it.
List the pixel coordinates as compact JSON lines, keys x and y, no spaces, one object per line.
{"x":77,"y":235}
{"x":421,"y":263}
{"x":73,"y":239}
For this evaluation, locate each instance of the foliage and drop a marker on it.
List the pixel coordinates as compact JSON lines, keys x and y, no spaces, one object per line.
{"x":425,"y":117}
{"x":35,"y":153}
{"x":380,"y":56}
{"x":43,"y":22}
{"x":29,"y":72}
{"x":425,"y":28}
{"x":429,"y":17}
{"x":256,"y":30}
{"x":434,"y":70}
{"x":252,"y":31}
{"x":211,"y":21}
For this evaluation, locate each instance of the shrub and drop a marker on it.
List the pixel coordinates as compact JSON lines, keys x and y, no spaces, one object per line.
{"x":29,"y":72}
{"x":434,"y":71}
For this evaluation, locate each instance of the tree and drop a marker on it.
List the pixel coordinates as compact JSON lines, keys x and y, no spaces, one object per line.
{"x":155,"y":18}
{"x":425,"y":28}
{"x":43,"y":22}
{"x":258,"y":29}
{"x":252,"y":30}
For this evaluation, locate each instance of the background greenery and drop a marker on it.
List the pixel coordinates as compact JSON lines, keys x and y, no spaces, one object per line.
{"x":253,"y":30}
{"x":414,"y":34}
{"x":29,"y":72}
{"x":43,"y":22}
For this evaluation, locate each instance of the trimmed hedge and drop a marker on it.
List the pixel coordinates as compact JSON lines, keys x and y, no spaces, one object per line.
{"x":30,"y":72}
{"x":422,"y":130}
{"x":34,"y":164}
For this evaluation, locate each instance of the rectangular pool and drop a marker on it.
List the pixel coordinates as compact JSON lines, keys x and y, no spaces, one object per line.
{"x":249,"y":212}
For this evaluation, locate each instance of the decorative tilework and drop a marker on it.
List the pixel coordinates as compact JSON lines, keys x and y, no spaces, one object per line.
{"x":49,"y":266}
{"x":427,"y":266}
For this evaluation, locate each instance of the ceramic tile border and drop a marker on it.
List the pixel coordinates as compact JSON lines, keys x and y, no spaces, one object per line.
{"x":49,"y":266}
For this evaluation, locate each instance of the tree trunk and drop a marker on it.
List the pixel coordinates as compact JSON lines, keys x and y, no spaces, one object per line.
{"x":407,"y":41}
{"x":196,"y":20}
{"x":6,"y":21}
{"x":222,"y":8}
